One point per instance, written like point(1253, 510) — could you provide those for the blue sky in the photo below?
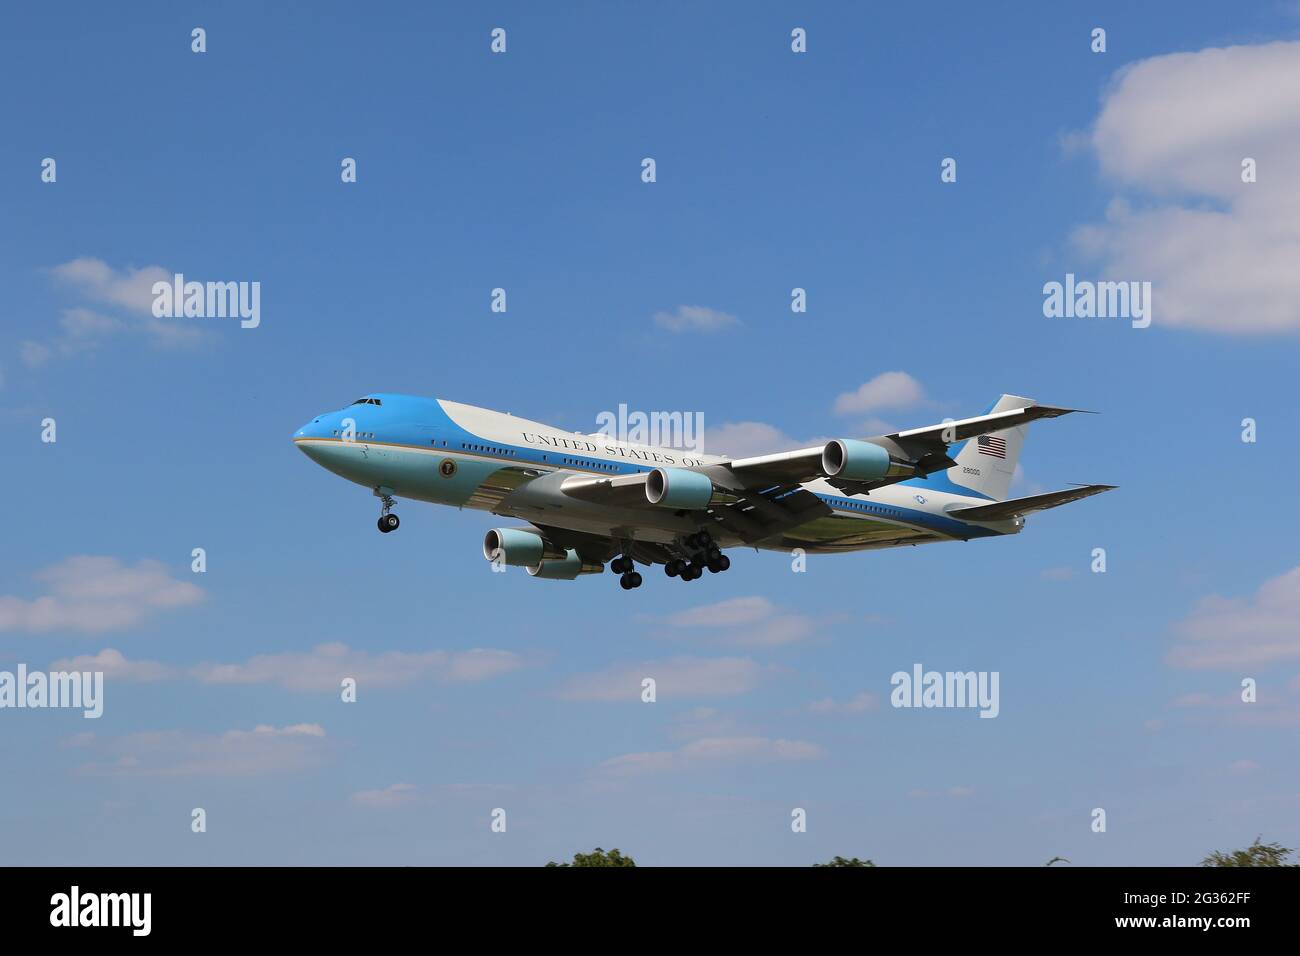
point(522, 171)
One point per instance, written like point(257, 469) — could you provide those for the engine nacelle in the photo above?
point(678, 488)
point(563, 569)
point(854, 460)
point(518, 546)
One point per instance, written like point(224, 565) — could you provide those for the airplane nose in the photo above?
point(312, 429)
point(301, 440)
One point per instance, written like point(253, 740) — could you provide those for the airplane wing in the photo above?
point(760, 496)
point(786, 467)
point(913, 453)
point(1015, 507)
point(751, 513)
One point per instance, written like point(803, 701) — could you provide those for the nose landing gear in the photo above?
point(387, 520)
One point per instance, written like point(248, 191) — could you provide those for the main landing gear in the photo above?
point(704, 553)
point(387, 520)
point(629, 577)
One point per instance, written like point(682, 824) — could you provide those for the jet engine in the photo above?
point(563, 569)
point(678, 488)
point(854, 460)
point(519, 546)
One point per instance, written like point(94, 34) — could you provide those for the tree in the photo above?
point(851, 861)
point(1257, 854)
point(598, 857)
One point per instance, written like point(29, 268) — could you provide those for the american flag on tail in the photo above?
point(992, 445)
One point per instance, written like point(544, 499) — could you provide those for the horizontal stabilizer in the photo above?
point(1002, 510)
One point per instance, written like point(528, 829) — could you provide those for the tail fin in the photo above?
point(987, 464)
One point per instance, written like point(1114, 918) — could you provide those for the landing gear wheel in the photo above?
point(630, 580)
point(621, 566)
point(673, 568)
point(711, 555)
point(724, 563)
point(387, 520)
point(635, 578)
point(714, 567)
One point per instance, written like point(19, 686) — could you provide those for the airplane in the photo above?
point(589, 500)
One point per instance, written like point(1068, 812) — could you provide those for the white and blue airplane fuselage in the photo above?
point(589, 499)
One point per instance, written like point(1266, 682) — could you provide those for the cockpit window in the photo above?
point(367, 401)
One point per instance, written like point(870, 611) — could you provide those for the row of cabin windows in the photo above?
point(874, 509)
point(585, 463)
point(489, 449)
point(469, 446)
point(339, 434)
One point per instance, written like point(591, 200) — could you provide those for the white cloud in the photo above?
point(712, 751)
point(95, 594)
point(114, 666)
point(639, 763)
point(82, 330)
point(1175, 129)
point(130, 289)
point(675, 678)
point(876, 426)
point(235, 753)
point(320, 669)
point(86, 323)
point(1269, 710)
point(325, 666)
point(886, 390)
point(34, 354)
point(1225, 633)
point(893, 390)
point(742, 439)
point(396, 795)
point(703, 722)
point(694, 318)
point(728, 613)
point(858, 704)
point(744, 622)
